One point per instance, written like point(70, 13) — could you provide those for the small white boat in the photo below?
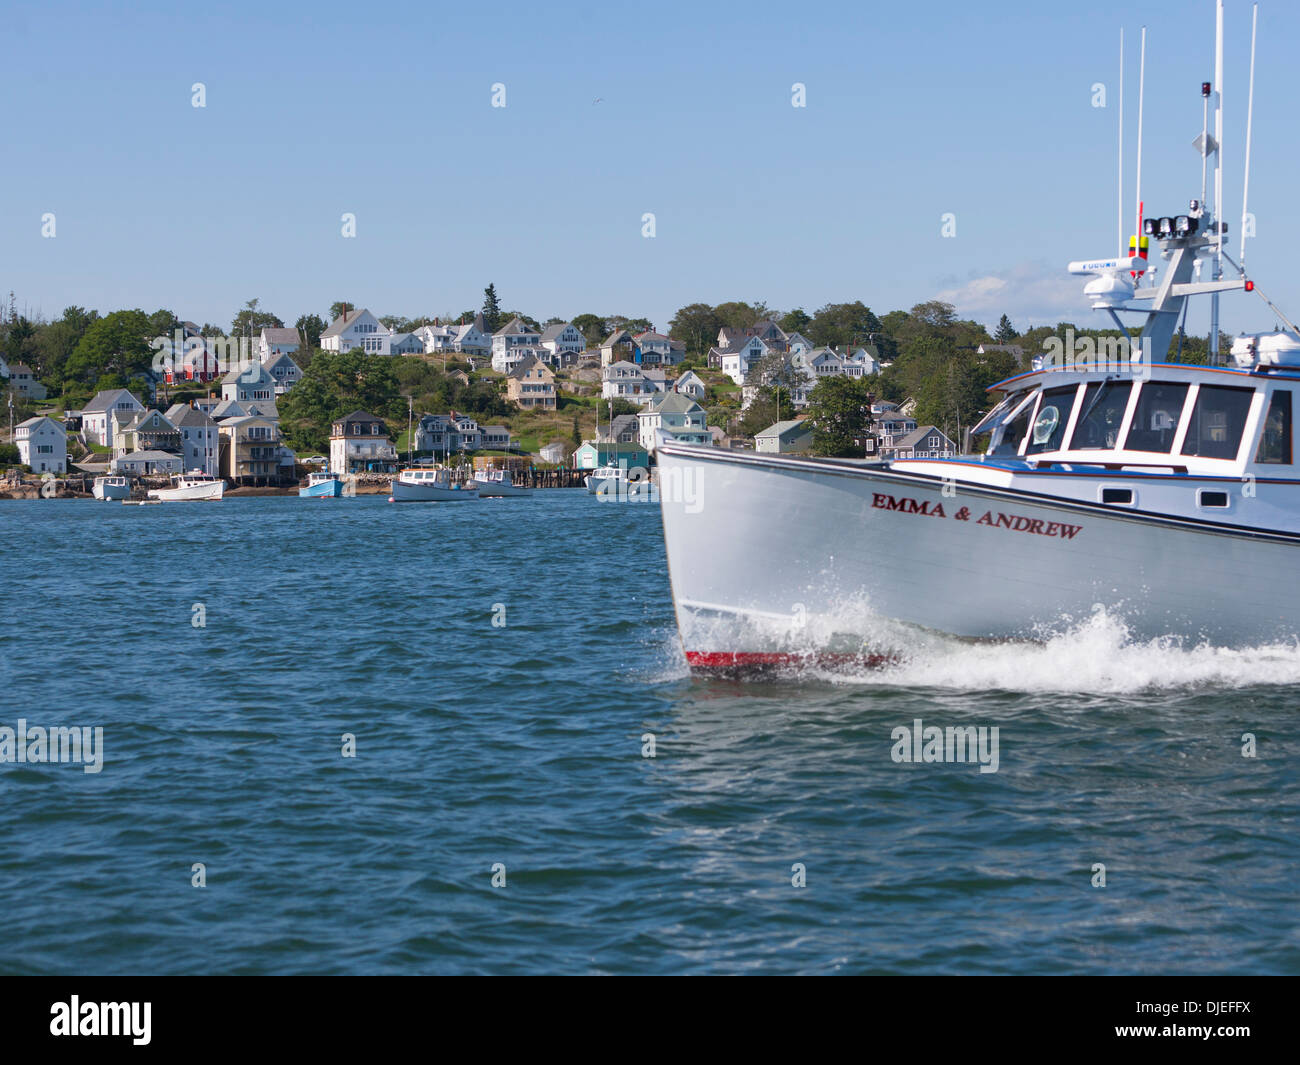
point(429, 484)
point(618, 482)
point(112, 487)
point(186, 487)
point(493, 484)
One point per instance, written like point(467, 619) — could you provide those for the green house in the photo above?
point(593, 454)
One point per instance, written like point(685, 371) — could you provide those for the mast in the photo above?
point(1120, 198)
point(1250, 114)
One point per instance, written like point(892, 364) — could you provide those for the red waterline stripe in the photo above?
point(768, 659)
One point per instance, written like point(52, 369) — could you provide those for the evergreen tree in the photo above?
point(1006, 333)
point(491, 309)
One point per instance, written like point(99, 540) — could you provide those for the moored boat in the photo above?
point(618, 482)
point(429, 484)
point(322, 486)
point(499, 484)
point(188, 487)
point(111, 487)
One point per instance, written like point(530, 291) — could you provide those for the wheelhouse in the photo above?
point(1176, 418)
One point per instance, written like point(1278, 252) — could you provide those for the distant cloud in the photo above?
point(1030, 294)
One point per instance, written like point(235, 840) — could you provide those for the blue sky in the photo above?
point(384, 111)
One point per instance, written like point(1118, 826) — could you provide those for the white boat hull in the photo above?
point(111, 492)
point(772, 553)
point(190, 492)
point(405, 492)
point(499, 490)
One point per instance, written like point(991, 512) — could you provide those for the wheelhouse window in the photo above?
point(1015, 430)
point(1275, 442)
point(1101, 416)
point(1052, 418)
point(1218, 421)
point(1155, 422)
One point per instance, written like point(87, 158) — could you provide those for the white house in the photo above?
point(97, 415)
point(360, 442)
point(200, 438)
point(690, 384)
point(553, 453)
point(472, 338)
point(562, 337)
point(511, 344)
point(356, 329)
point(626, 380)
point(42, 445)
point(676, 414)
point(273, 341)
point(861, 362)
point(735, 360)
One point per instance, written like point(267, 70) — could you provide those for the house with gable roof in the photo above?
point(512, 343)
point(97, 415)
point(356, 329)
point(531, 385)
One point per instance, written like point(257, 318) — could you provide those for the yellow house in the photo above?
point(531, 385)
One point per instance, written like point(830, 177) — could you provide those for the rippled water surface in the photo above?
point(522, 744)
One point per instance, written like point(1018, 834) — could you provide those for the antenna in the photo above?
point(1120, 200)
point(1142, 80)
point(1218, 180)
point(1250, 114)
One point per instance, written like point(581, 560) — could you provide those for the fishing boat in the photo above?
point(322, 486)
point(429, 484)
point(1164, 494)
point(111, 487)
point(618, 482)
point(499, 484)
point(187, 487)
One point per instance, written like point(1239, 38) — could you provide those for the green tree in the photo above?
point(842, 325)
point(696, 325)
point(592, 327)
point(252, 320)
point(796, 321)
point(576, 436)
point(116, 345)
point(1006, 332)
point(310, 327)
point(491, 309)
point(57, 341)
point(736, 315)
point(839, 410)
point(336, 312)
